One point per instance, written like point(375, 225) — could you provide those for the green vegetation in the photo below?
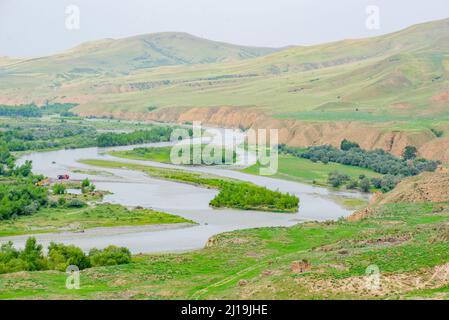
point(155, 134)
point(262, 263)
point(409, 153)
point(59, 257)
point(246, 196)
point(162, 154)
point(21, 136)
point(67, 217)
point(18, 193)
point(306, 171)
point(233, 194)
point(61, 109)
point(377, 160)
point(109, 256)
point(395, 80)
point(27, 111)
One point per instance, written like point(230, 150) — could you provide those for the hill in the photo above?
point(139, 52)
point(383, 92)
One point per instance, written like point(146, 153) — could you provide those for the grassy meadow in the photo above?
point(307, 171)
point(77, 219)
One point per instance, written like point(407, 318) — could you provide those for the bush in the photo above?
point(336, 179)
point(20, 198)
point(61, 256)
point(365, 185)
point(59, 188)
point(348, 145)
point(75, 203)
point(109, 256)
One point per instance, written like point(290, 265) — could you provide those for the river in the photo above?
point(134, 188)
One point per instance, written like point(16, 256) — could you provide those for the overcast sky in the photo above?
point(38, 27)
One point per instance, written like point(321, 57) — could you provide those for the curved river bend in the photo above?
point(133, 188)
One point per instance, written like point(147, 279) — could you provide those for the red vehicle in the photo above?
point(63, 177)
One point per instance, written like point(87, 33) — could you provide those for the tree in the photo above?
point(409, 153)
point(347, 145)
point(365, 185)
point(33, 256)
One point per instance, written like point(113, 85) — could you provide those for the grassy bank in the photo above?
point(405, 241)
point(307, 171)
point(162, 154)
point(77, 219)
point(233, 193)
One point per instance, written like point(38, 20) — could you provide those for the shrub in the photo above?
point(348, 145)
point(365, 185)
point(59, 188)
point(61, 256)
point(109, 256)
point(75, 203)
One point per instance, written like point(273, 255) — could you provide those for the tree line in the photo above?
point(33, 111)
point(155, 134)
point(393, 168)
point(59, 257)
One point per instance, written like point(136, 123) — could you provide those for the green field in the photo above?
point(259, 264)
point(306, 171)
point(162, 154)
point(77, 219)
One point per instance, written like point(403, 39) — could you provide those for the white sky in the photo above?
point(37, 27)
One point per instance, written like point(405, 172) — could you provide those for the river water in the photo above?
point(133, 188)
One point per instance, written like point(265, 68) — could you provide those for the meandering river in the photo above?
point(134, 188)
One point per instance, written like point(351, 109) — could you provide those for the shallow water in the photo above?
point(133, 188)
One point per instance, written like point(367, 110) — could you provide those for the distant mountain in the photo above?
point(385, 78)
point(141, 52)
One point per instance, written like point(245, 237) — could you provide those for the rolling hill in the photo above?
point(122, 56)
point(386, 91)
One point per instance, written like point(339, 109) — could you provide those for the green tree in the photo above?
point(365, 185)
point(409, 153)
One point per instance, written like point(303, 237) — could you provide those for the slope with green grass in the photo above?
point(306, 261)
point(392, 87)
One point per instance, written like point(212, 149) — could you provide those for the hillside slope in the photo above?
point(386, 91)
point(139, 52)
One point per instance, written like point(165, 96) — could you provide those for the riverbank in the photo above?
point(232, 193)
point(79, 220)
point(306, 261)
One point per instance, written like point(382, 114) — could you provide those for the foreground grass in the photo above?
point(233, 193)
point(306, 171)
point(76, 219)
point(405, 241)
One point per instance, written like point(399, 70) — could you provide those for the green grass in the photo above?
point(64, 219)
point(162, 154)
point(338, 252)
point(306, 171)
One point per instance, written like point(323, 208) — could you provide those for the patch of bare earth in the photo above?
point(380, 285)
